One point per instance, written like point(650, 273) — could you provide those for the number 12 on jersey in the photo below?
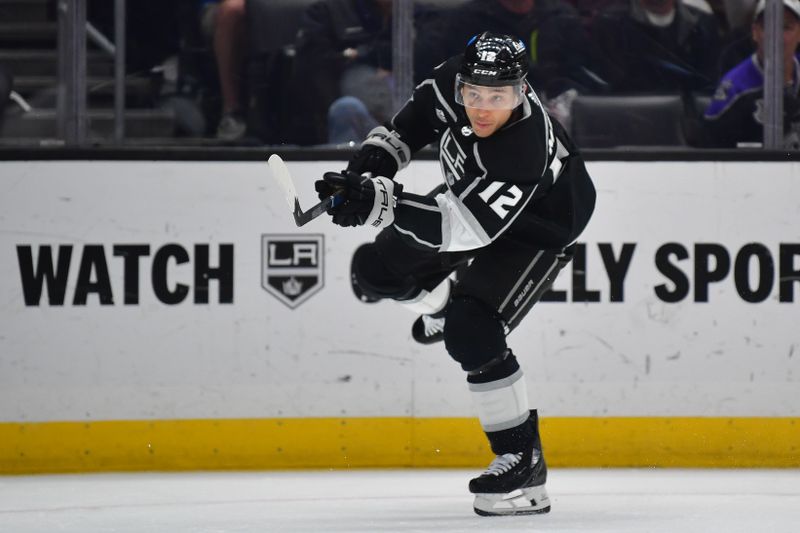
point(503, 203)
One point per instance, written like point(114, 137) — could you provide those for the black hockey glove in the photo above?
point(373, 159)
point(382, 153)
point(366, 200)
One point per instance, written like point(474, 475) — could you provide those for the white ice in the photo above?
point(596, 500)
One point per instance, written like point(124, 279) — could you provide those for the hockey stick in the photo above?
point(280, 173)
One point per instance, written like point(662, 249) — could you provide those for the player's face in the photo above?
point(485, 122)
point(488, 108)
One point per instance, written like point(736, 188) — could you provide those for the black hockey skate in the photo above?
point(513, 484)
point(428, 329)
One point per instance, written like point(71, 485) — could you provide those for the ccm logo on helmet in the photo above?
point(484, 72)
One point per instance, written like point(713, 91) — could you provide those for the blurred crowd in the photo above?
point(319, 72)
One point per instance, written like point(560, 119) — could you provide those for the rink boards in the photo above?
point(169, 315)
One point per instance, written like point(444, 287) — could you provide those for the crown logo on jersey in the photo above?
point(292, 287)
point(466, 131)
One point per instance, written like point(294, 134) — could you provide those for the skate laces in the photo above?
point(503, 463)
point(432, 325)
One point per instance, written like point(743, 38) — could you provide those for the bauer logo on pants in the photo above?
point(292, 266)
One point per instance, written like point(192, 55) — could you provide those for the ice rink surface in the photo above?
point(607, 500)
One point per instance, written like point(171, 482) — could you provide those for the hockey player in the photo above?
point(515, 198)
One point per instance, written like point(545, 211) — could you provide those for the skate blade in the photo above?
point(530, 500)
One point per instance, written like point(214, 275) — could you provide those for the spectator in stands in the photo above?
point(650, 46)
point(737, 42)
point(223, 21)
point(344, 48)
point(735, 115)
point(588, 10)
point(366, 99)
point(738, 13)
point(551, 29)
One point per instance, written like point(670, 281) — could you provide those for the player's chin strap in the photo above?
point(390, 141)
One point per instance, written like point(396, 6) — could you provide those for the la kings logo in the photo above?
point(292, 267)
point(451, 158)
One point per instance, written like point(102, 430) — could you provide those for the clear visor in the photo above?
point(485, 97)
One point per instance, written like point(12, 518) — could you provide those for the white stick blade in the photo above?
point(280, 173)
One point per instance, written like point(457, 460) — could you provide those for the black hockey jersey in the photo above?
point(526, 181)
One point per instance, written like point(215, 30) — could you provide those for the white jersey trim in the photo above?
point(460, 230)
point(534, 291)
point(414, 236)
point(520, 280)
point(549, 134)
point(526, 113)
point(418, 205)
point(556, 165)
point(439, 97)
point(475, 182)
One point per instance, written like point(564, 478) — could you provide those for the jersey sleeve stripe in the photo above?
point(439, 97)
point(418, 205)
point(413, 236)
point(548, 133)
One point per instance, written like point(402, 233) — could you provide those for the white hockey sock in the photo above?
point(429, 302)
point(501, 404)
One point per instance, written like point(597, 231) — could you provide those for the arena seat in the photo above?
point(271, 31)
point(272, 27)
point(273, 24)
point(630, 120)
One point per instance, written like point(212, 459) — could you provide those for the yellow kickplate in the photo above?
point(131, 445)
